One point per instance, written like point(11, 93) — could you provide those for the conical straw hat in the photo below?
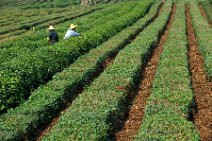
point(51, 27)
point(72, 26)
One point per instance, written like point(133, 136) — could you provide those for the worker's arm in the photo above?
point(75, 33)
point(70, 33)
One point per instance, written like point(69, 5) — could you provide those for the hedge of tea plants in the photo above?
point(203, 33)
point(46, 101)
point(22, 74)
point(94, 112)
point(167, 111)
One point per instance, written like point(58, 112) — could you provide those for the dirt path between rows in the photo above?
point(38, 136)
point(132, 125)
point(202, 88)
point(13, 37)
point(42, 132)
point(202, 11)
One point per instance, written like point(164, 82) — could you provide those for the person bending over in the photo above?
point(71, 32)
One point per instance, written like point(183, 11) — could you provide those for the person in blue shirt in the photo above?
point(70, 32)
point(53, 36)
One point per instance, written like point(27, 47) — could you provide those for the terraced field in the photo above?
point(29, 19)
point(141, 70)
point(40, 3)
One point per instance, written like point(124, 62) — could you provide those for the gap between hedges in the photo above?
point(129, 125)
point(41, 132)
point(202, 88)
point(202, 11)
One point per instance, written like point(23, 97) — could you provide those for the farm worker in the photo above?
point(71, 32)
point(53, 36)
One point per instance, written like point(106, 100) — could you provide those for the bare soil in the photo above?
point(108, 61)
point(136, 112)
point(46, 128)
point(204, 14)
point(201, 86)
point(42, 131)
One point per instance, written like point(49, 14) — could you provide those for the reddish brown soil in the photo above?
point(201, 86)
point(204, 14)
point(44, 130)
point(54, 121)
point(136, 113)
point(79, 90)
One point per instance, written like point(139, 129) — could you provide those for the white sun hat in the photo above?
point(51, 27)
